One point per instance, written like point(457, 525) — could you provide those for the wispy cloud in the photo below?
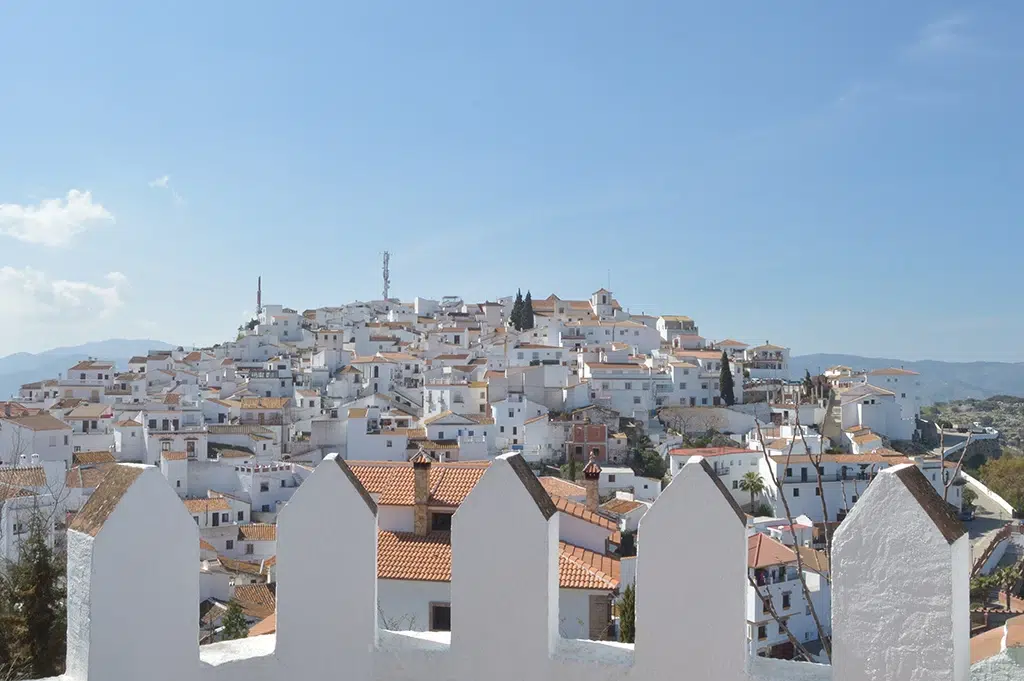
point(946, 36)
point(164, 182)
point(30, 296)
point(52, 222)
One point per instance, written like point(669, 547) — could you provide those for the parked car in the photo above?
point(966, 515)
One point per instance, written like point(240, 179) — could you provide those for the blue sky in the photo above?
point(835, 177)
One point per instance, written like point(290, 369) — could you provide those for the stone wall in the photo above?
point(900, 588)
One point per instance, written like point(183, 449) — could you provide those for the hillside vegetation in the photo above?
point(1002, 412)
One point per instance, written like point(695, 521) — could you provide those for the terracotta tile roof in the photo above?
point(621, 506)
point(580, 511)
point(357, 413)
point(403, 555)
point(206, 505)
point(257, 532)
point(174, 456)
point(480, 418)
point(268, 625)
point(87, 476)
point(579, 568)
point(561, 488)
point(450, 483)
point(128, 423)
point(886, 456)
point(866, 437)
point(233, 565)
point(265, 402)
point(763, 551)
point(892, 371)
point(15, 409)
point(813, 560)
point(234, 454)
point(23, 476)
point(710, 451)
point(39, 422)
point(82, 458)
point(256, 600)
point(205, 545)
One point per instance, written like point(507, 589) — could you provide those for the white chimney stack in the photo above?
point(22, 460)
point(35, 459)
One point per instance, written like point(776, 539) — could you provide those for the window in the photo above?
point(511, 413)
point(762, 632)
point(248, 549)
point(786, 600)
point(735, 484)
point(682, 386)
point(53, 440)
point(224, 517)
point(515, 430)
point(817, 491)
point(389, 443)
point(789, 472)
point(229, 544)
point(611, 477)
point(854, 499)
point(441, 522)
point(241, 515)
point(703, 400)
point(628, 385)
point(796, 491)
point(196, 518)
point(604, 386)
point(264, 486)
point(636, 399)
point(440, 617)
point(66, 438)
point(519, 355)
point(165, 446)
point(178, 483)
point(703, 386)
point(266, 508)
point(501, 429)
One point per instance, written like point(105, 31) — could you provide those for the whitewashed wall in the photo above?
point(899, 591)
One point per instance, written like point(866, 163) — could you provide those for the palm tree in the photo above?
point(752, 482)
point(1006, 577)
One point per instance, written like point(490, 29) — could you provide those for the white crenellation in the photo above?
point(900, 579)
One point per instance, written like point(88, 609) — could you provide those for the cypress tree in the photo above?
point(527, 314)
point(627, 615)
point(725, 382)
point(516, 318)
point(234, 623)
point(33, 617)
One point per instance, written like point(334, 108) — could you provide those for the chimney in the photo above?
point(421, 493)
point(35, 460)
point(591, 476)
point(22, 460)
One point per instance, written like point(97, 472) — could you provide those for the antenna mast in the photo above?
point(387, 275)
point(259, 295)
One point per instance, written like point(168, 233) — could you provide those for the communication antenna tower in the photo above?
point(387, 275)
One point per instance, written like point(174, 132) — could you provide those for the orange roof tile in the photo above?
point(206, 505)
point(256, 600)
point(450, 483)
point(580, 511)
point(562, 488)
point(579, 568)
point(257, 532)
point(102, 456)
point(268, 625)
point(621, 506)
point(205, 545)
point(174, 456)
point(763, 551)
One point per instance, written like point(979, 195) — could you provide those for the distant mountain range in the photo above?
point(25, 367)
point(940, 381)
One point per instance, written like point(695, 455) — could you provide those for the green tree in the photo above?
point(808, 383)
point(1005, 477)
point(234, 622)
point(33, 619)
point(753, 483)
point(627, 615)
point(516, 317)
point(725, 382)
point(981, 586)
point(649, 464)
point(526, 315)
point(1006, 578)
